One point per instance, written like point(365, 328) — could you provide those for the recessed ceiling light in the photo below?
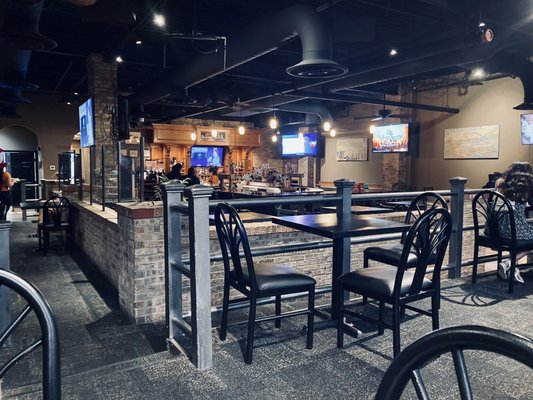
point(159, 20)
point(118, 59)
point(393, 52)
point(138, 42)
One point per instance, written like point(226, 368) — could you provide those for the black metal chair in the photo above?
point(489, 207)
point(407, 365)
point(391, 253)
point(398, 286)
point(256, 280)
point(49, 339)
point(55, 218)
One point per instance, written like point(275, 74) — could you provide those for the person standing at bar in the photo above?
point(5, 191)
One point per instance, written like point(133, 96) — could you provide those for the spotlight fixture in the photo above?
point(333, 133)
point(76, 93)
point(393, 52)
point(159, 20)
point(69, 102)
point(326, 126)
point(478, 73)
point(118, 59)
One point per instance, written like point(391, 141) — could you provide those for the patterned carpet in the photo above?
point(105, 356)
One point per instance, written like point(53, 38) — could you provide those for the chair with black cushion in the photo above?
point(390, 253)
point(406, 283)
point(418, 356)
point(256, 280)
point(55, 218)
point(489, 207)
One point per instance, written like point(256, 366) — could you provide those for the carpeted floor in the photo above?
point(105, 356)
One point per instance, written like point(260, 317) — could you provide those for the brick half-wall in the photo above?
point(128, 248)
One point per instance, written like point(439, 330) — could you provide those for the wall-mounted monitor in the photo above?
point(86, 118)
point(391, 139)
point(207, 156)
point(526, 128)
point(299, 144)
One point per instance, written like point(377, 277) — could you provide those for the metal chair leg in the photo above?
point(396, 329)
point(381, 330)
point(340, 317)
point(474, 265)
point(310, 318)
point(278, 311)
point(224, 318)
point(251, 330)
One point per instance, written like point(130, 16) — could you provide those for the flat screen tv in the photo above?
point(207, 156)
point(391, 139)
point(86, 118)
point(526, 128)
point(298, 144)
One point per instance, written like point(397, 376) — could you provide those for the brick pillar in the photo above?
point(395, 171)
point(102, 83)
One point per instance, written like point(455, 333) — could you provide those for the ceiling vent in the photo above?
point(317, 68)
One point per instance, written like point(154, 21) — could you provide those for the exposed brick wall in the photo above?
point(394, 170)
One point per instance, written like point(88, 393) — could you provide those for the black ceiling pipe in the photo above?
point(309, 108)
point(257, 38)
point(516, 64)
point(18, 37)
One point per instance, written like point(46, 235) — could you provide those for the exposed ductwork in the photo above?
point(18, 37)
point(309, 108)
point(518, 65)
point(257, 38)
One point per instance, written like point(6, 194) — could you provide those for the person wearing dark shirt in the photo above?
point(193, 179)
point(175, 172)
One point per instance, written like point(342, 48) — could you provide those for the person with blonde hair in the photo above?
point(516, 185)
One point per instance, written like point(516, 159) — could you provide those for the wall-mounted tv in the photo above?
point(86, 118)
point(526, 128)
point(207, 156)
point(391, 139)
point(299, 144)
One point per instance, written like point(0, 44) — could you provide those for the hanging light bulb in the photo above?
point(372, 129)
point(326, 126)
point(241, 129)
point(273, 123)
point(214, 132)
point(193, 135)
point(332, 133)
point(274, 138)
point(300, 135)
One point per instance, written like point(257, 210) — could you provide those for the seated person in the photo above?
point(191, 175)
point(215, 181)
point(517, 186)
point(175, 172)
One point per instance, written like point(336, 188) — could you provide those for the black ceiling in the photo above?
point(438, 43)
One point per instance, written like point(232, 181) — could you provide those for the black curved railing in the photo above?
point(49, 339)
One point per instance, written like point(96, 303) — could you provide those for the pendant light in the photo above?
point(273, 123)
point(332, 133)
point(193, 133)
point(241, 128)
point(214, 132)
point(326, 126)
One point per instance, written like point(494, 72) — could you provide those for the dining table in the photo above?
point(360, 210)
point(340, 229)
point(247, 216)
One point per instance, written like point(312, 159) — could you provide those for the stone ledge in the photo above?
point(140, 210)
point(109, 215)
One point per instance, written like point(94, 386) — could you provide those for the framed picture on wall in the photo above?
point(473, 142)
point(353, 149)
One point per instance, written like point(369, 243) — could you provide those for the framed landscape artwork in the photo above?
point(355, 149)
point(473, 142)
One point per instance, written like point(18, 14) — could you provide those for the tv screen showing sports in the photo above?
point(298, 144)
point(207, 156)
point(391, 139)
point(86, 118)
point(526, 127)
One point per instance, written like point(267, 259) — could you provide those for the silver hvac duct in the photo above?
point(309, 108)
point(257, 38)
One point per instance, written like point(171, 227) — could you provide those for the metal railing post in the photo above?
point(342, 247)
point(5, 263)
point(456, 239)
point(198, 196)
point(172, 194)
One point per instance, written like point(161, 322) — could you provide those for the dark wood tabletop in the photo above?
point(248, 216)
point(361, 210)
point(32, 205)
point(327, 225)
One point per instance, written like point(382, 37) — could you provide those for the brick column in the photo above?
point(395, 170)
point(102, 83)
